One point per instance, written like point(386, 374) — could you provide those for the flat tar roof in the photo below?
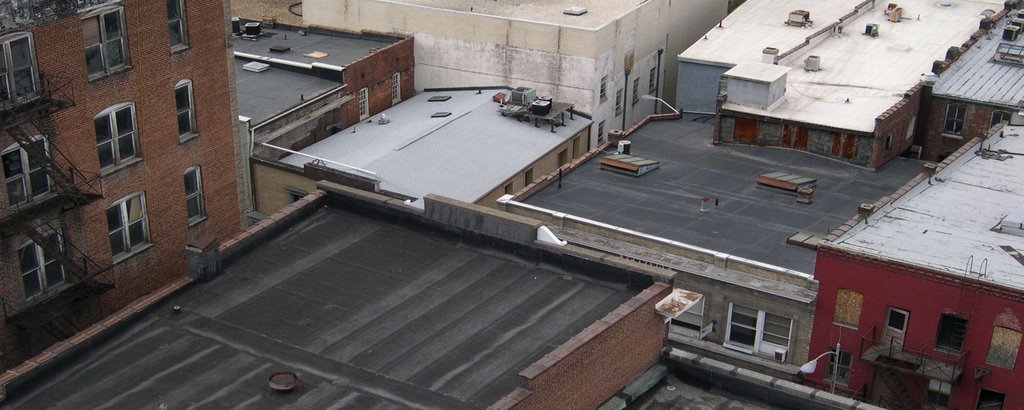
point(368, 313)
point(462, 156)
point(262, 95)
point(979, 77)
point(944, 223)
point(599, 12)
point(873, 73)
point(750, 221)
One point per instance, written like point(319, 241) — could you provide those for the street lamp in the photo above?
point(809, 367)
point(649, 97)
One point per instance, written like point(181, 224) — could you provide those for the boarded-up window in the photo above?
point(1002, 351)
point(848, 304)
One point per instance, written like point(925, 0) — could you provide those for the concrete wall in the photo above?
point(697, 85)
point(854, 147)
point(595, 364)
point(458, 49)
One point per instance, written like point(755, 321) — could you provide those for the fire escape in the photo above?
point(26, 121)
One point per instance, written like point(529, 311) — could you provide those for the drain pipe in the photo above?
point(625, 106)
point(657, 84)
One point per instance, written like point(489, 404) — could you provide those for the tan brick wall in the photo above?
point(149, 84)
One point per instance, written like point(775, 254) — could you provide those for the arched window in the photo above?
point(24, 176)
point(127, 224)
point(40, 270)
point(116, 139)
point(18, 76)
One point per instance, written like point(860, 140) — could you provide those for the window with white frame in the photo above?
point(40, 270)
point(194, 195)
point(176, 26)
point(998, 117)
point(396, 88)
point(115, 134)
point(604, 88)
point(756, 331)
point(652, 85)
point(636, 90)
point(364, 103)
point(183, 104)
point(127, 225)
point(103, 36)
point(17, 68)
point(618, 102)
point(24, 178)
point(955, 115)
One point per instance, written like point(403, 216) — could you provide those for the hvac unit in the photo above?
point(253, 29)
point(812, 63)
point(1010, 33)
point(523, 96)
point(896, 14)
point(236, 26)
point(871, 30)
point(799, 18)
point(781, 355)
point(540, 107)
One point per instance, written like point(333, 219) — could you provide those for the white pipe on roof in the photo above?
point(319, 159)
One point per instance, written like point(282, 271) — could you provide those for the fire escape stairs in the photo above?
point(899, 397)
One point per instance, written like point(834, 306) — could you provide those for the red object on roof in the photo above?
point(499, 98)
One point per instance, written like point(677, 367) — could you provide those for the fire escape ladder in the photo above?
point(60, 327)
point(71, 183)
point(40, 232)
point(899, 396)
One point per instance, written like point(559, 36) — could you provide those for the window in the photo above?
point(24, 178)
point(757, 331)
point(897, 320)
point(194, 195)
point(841, 372)
point(910, 127)
point(618, 102)
point(508, 188)
point(951, 332)
point(998, 117)
point(848, 305)
point(364, 103)
point(17, 69)
point(888, 141)
point(176, 24)
point(127, 225)
point(938, 394)
point(115, 134)
point(600, 132)
point(652, 85)
point(396, 88)
point(990, 400)
point(955, 114)
point(1002, 350)
point(528, 176)
point(183, 103)
point(103, 36)
point(39, 268)
point(636, 90)
point(604, 88)
point(563, 157)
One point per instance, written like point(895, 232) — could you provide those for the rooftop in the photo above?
point(872, 72)
point(599, 12)
point(416, 154)
point(980, 77)
point(944, 223)
point(370, 314)
point(750, 221)
point(261, 95)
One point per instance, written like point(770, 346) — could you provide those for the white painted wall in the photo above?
point(459, 49)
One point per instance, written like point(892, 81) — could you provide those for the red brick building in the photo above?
point(118, 151)
point(923, 292)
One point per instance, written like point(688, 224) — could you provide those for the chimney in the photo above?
point(865, 210)
point(768, 55)
point(953, 53)
point(929, 168)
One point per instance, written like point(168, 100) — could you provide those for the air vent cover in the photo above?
point(575, 11)
point(439, 98)
point(255, 67)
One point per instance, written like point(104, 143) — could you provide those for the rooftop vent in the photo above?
point(768, 55)
point(255, 67)
point(871, 30)
point(440, 114)
point(1013, 223)
point(799, 18)
point(812, 63)
point(1011, 33)
point(439, 98)
point(253, 29)
point(894, 12)
point(945, 3)
point(575, 11)
point(280, 48)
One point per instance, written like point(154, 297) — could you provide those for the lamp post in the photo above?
point(649, 97)
point(809, 367)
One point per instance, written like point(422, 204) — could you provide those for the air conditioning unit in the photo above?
point(812, 63)
point(896, 14)
point(799, 18)
point(871, 30)
point(1010, 33)
point(781, 355)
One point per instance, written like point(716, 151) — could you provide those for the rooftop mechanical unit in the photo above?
point(255, 66)
point(628, 164)
point(871, 30)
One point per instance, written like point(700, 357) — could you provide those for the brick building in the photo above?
point(837, 79)
point(978, 85)
point(117, 143)
point(922, 293)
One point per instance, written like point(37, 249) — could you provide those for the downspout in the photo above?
point(657, 83)
point(625, 105)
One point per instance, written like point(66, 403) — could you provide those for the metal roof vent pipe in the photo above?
point(624, 147)
point(768, 55)
point(812, 63)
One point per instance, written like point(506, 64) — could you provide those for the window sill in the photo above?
point(196, 221)
point(843, 325)
point(104, 172)
point(128, 255)
point(109, 73)
point(180, 48)
point(189, 136)
point(953, 136)
point(738, 348)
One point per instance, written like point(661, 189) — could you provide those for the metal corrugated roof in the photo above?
point(978, 76)
point(463, 156)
